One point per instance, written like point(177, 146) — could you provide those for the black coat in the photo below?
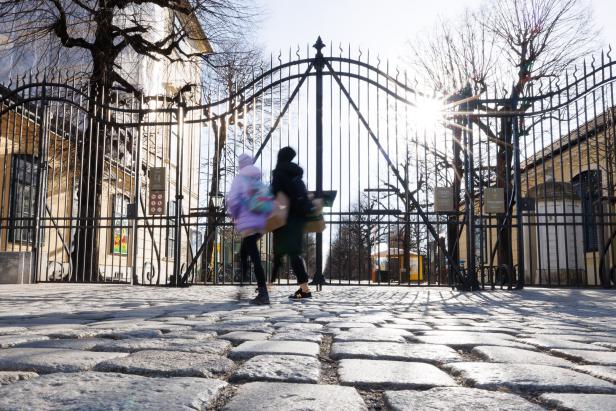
point(287, 177)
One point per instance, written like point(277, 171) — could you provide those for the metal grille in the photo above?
point(463, 191)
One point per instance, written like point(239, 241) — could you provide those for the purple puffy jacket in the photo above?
point(245, 220)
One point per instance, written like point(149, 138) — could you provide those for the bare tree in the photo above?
point(507, 47)
point(100, 35)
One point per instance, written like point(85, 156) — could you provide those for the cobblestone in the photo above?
point(379, 334)
point(519, 356)
point(581, 402)
point(95, 391)
point(9, 377)
point(253, 348)
point(283, 368)
point(587, 356)
point(285, 396)
point(50, 360)
point(177, 344)
point(298, 336)
point(433, 353)
point(600, 371)
point(457, 398)
point(169, 364)
point(241, 336)
point(392, 374)
point(528, 377)
point(310, 355)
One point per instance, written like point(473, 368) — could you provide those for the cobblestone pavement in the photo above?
point(112, 347)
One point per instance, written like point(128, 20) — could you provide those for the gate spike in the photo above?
point(592, 62)
point(609, 52)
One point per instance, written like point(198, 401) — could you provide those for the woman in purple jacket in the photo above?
point(249, 224)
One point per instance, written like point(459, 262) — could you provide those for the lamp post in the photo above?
point(218, 201)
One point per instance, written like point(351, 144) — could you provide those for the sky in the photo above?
point(383, 26)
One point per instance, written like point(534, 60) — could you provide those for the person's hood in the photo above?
point(290, 168)
point(250, 171)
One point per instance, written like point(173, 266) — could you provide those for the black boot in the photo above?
point(262, 298)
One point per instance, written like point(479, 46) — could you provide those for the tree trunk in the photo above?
point(85, 249)
point(503, 179)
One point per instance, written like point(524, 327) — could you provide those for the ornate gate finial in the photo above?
point(319, 46)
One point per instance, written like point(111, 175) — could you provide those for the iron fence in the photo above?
point(464, 191)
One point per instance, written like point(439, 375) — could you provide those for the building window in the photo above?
point(119, 225)
point(587, 185)
point(170, 229)
point(24, 183)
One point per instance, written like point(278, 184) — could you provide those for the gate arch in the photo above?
point(365, 119)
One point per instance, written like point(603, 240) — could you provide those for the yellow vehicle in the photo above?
point(387, 265)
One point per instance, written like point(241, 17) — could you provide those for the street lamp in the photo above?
point(218, 199)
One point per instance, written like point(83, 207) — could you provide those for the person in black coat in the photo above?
point(288, 240)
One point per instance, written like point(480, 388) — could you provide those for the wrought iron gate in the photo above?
point(465, 191)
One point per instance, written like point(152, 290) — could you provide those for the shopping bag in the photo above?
point(315, 223)
point(278, 216)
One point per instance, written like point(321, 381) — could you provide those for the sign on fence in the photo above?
point(443, 200)
point(494, 200)
point(156, 195)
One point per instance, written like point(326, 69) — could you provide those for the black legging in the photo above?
point(249, 249)
point(297, 263)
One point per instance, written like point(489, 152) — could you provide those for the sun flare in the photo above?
point(429, 114)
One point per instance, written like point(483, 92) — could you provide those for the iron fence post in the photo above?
point(319, 63)
point(137, 196)
point(41, 179)
point(518, 201)
point(470, 207)
point(178, 192)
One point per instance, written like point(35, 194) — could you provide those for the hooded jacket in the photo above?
point(244, 219)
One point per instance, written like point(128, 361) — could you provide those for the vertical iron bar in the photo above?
point(470, 204)
point(319, 64)
point(518, 201)
point(137, 194)
point(40, 184)
point(178, 191)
